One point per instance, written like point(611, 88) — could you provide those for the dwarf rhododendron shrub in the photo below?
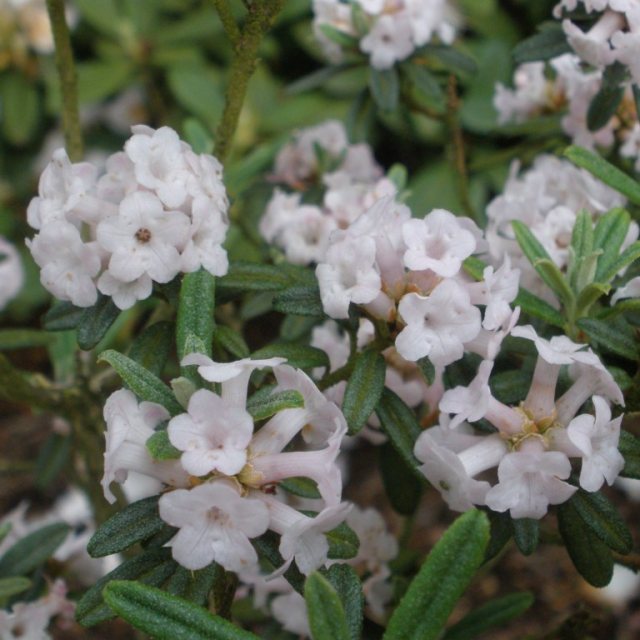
point(318, 314)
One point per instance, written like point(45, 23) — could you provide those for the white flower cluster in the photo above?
point(159, 210)
point(409, 271)
point(386, 30)
point(615, 36)
point(223, 485)
point(546, 198)
point(533, 442)
point(572, 87)
point(11, 272)
point(351, 180)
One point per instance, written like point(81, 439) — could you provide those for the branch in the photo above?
point(228, 21)
point(262, 14)
point(68, 80)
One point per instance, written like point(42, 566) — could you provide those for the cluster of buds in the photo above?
point(320, 158)
point(160, 209)
point(386, 30)
point(224, 475)
point(532, 443)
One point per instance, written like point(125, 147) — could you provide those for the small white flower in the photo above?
point(438, 243)
point(437, 325)
point(213, 435)
point(348, 274)
point(469, 403)
point(125, 294)
point(129, 426)
point(11, 272)
point(529, 481)
point(215, 523)
point(290, 610)
point(388, 41)
point(68, 265)
point(597, 439)
point(143, 238)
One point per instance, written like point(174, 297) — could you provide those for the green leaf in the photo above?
point(589, 295)
point(195, 321)
point(629, 255)
point(608, 236)
point(197, 87)
point(297, 355)
point(52, 458)
point(160, 447)
point(542, 262)
point(345, 581)
point(400, 484)
point(582, 237)
point(152, 347)
point(590, 556)
point(617, 338)
point(301, 300)
point(424, 82)
point(96, 321)
point(194, 585)
point(385, 88)
point(13, 586)
point(339, 37)
point(343, 542)
point(167, 617)
point(23, 339)
point(250, 276)
point(605, 171)
point(231, 341)
point(538, 308)
point(491, 615)
point(327, 619)
point(526, 532)
point(103, 16)
point(452, 60)
point(154, 566)
point(33, 550)
point(511, 386)
point(629, 447)
point(142, 382)
point(364, 389)
point(545, 45)
point(62, 316)
point(599, 515)
point(138, 521)
point(604, 104)
point(554, 278)
point(197, 135)
point(446, 573)
point(262, 406)
point(20, 107)
point(501, 532)
point(313, 80)
point(400, 424)
point(98, 80)
point(303, 487)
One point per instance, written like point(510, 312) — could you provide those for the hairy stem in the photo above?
point(68, 80)
point(227, 19)
point(260, 18)
point(459, 160)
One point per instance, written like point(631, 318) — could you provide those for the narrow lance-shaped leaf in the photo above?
point(302, 300)
point(605, 103)
point(526, 532)
point(142, 382)
point(617, 338)
point(629, 255)
point(33, 550)
point(385, 88)
point(605, 171)
point(364, 389)
point(13, 586)
point(345, 581)
point(195, 321)
point(591, 557)
point(262, 406)
point(96, 321)
point(608, 237)
point(489, 616)
point(327, 618)
point(152, 347)
point(168, 617)
point(136, 522)
point(446, 573)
